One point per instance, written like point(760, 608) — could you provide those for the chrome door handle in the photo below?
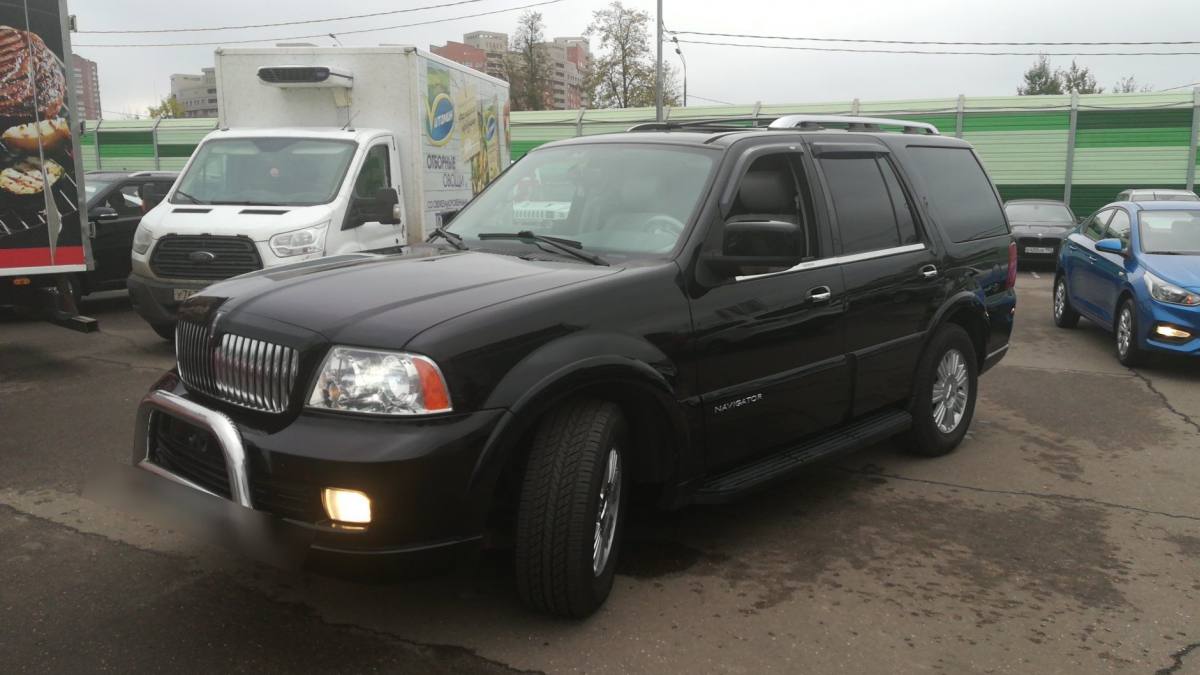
point(1091, 258)
point(929, 271)
point(820, 294)
point(1073, 247)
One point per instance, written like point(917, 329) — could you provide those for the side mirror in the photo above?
point(768, 243)
point(103, 213)
point(386, 205)
point(1111, 246)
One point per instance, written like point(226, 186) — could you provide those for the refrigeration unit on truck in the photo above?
point(319, 152)
point(43, 247)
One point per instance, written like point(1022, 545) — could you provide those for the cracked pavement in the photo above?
point(1062, 537)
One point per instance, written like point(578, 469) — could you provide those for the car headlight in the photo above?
point(300, 242)
point(1170, 293)
point(142, 240)
point(380, 383)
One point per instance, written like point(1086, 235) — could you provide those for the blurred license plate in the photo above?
point(1028, 249)
point(182, 294)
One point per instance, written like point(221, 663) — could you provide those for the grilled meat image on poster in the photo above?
point(39, 216)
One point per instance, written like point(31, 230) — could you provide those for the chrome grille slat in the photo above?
point(244, 371)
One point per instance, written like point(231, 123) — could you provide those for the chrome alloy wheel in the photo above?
point(951, 390)
point(1124, 331)
point(1060, 298)
point(607, 512)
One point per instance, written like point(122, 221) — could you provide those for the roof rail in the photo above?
point(718, 123)
point(853, 123)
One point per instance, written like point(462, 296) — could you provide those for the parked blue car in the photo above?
point(1134, 268)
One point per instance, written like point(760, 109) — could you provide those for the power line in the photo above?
point(281, 23)
point(931, 51)
point(1182, 86)
point(935, 42)
point(710, 100)
point(326, 34)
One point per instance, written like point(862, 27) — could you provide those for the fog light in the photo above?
point(22, 281)
point(1172, 332)
point(346, 506)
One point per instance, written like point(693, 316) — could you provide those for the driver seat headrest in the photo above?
point(767, 192)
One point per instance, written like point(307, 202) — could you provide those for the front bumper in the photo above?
point(427, 501)
point(154, 299)
point(1187, 318)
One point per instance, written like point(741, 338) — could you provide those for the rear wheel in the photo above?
point(1064, 315)
point(571, 512)
point(944, 399)
point(1128, 352)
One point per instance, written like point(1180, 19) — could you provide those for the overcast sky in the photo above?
point(133, 78)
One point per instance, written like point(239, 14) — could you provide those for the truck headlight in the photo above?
point(379, 383)
point(142, 240)
point(1169, 293)
point(300, 242)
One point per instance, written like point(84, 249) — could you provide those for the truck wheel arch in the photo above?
point(967, 310)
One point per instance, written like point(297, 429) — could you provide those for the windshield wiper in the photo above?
point(568, 246)
point(185, 195)
point(454, 238)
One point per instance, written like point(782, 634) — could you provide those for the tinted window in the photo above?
point(774, 188)
point(906, 224)
point(1118, 227)
point(959, 193)
point(865, 216)
point(1094, 229)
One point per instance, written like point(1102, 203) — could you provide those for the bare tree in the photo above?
point(528, 65)
point(1130, 85)
point(622, 75)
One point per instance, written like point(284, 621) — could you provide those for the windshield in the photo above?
point(93, 186)
point(624, 199)
point(1170, 231)
point(1032, 212)
point(1175, 197)
point(265, 172)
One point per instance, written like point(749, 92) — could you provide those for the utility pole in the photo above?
point(658, 72)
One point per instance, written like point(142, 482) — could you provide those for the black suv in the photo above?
point(690, 311)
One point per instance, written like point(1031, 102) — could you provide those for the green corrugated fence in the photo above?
point(1120, 140)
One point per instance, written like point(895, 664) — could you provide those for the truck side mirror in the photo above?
point(386, 206)
point(755, 244)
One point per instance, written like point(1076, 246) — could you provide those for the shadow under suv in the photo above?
point(696, 310)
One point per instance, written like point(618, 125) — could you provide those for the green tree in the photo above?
point(1078, 80)
point(622, 74)
point(1040, 79)
point(168, 108)
point(528, 65)
point(1130, 85)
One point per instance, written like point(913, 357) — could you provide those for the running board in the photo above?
point(738, 481)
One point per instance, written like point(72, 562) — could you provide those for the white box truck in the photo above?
point(319, 151)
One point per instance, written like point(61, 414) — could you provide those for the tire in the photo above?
point(557, 519)
point(165, 331)
point(1065, 316)
point(1128, 352)
point(929, 435)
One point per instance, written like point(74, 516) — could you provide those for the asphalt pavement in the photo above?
point(1062, 537)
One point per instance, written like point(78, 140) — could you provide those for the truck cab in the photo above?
point(256, 198)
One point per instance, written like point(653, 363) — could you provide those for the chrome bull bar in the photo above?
point(219, 425)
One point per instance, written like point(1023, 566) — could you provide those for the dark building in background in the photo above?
point(86, 77)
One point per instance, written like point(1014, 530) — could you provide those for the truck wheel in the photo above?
point(572, 509)
point(165, 331)
point(1065, 316)
point(944, 394)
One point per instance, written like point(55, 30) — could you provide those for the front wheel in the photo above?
point(1128, 352)
point(572, 509)
point(1065, 316)
point(944, 394)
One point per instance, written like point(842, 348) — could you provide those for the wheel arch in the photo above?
point(965, 309)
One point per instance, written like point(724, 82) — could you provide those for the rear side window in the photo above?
point(872, 211)
point(959, 193)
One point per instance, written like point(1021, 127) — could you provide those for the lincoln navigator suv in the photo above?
point(685, 311)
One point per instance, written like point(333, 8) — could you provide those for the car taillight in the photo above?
point(1011, 280)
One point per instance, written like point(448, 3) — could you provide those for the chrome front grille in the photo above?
point(247, 372)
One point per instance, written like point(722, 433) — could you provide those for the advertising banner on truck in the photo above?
point(40, 223)
point(465, 141)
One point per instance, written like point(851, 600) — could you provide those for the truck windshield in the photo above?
point(265, 172)
point(619, 198)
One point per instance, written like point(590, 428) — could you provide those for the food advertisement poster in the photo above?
point(465, 144)
point(39, 196)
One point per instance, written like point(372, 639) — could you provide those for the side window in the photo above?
point(1094, 229)
point(375, 173)
point(1118, 227)
point(866, 215)
point(774, 189)
point(906, 223)
point(960, 195)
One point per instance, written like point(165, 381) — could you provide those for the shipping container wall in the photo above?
point(1120, 140)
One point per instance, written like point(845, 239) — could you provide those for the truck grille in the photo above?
point(247, 372)
point(184, 257)
point(191, 453)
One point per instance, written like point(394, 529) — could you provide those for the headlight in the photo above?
point(300, 242)
point(1169, 293)
point(142, 240)
point(379, 383)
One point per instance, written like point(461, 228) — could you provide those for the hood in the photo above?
point(1181, 270)
point(384, 301)
point(259, 223)
point(1046, 229)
